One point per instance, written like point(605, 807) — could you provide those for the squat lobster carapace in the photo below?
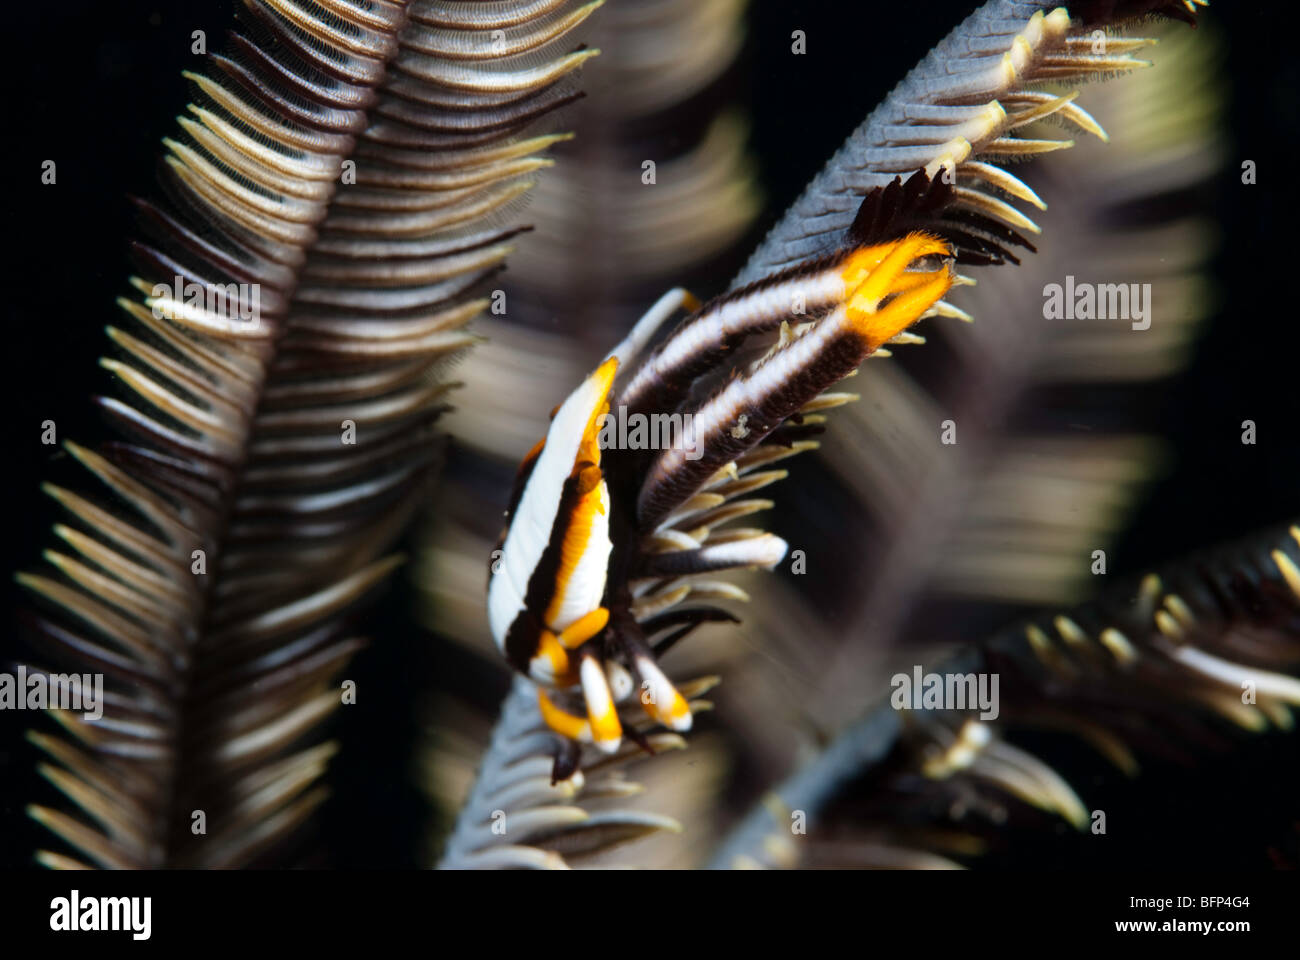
point(544, 597)
point(557, 611)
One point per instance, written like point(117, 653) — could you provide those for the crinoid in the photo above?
point(338, 203)
point(338, 194)
point(1159, 668)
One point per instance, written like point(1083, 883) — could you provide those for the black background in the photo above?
point(94, 85)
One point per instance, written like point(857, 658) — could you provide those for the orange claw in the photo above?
point(561, 721)
point(878, 326)
point(584, 628)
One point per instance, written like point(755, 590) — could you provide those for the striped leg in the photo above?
point(584, 628)
point(602, 715)
point(659, 698)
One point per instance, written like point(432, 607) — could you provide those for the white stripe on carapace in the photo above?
point(794, 366)
point(533, 523)
point(801, 294)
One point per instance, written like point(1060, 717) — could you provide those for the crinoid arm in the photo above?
point(1176, 664)
point(338, 195)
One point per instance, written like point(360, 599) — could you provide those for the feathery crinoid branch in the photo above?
point(1164, 667)
point(1058, 417)
point(538, 822)
point(1010, 65)
point(338, 189)
point(875, 260)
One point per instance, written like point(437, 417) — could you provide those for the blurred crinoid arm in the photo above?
point(1166, 666)
point(339, 190)
point(656, 92)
